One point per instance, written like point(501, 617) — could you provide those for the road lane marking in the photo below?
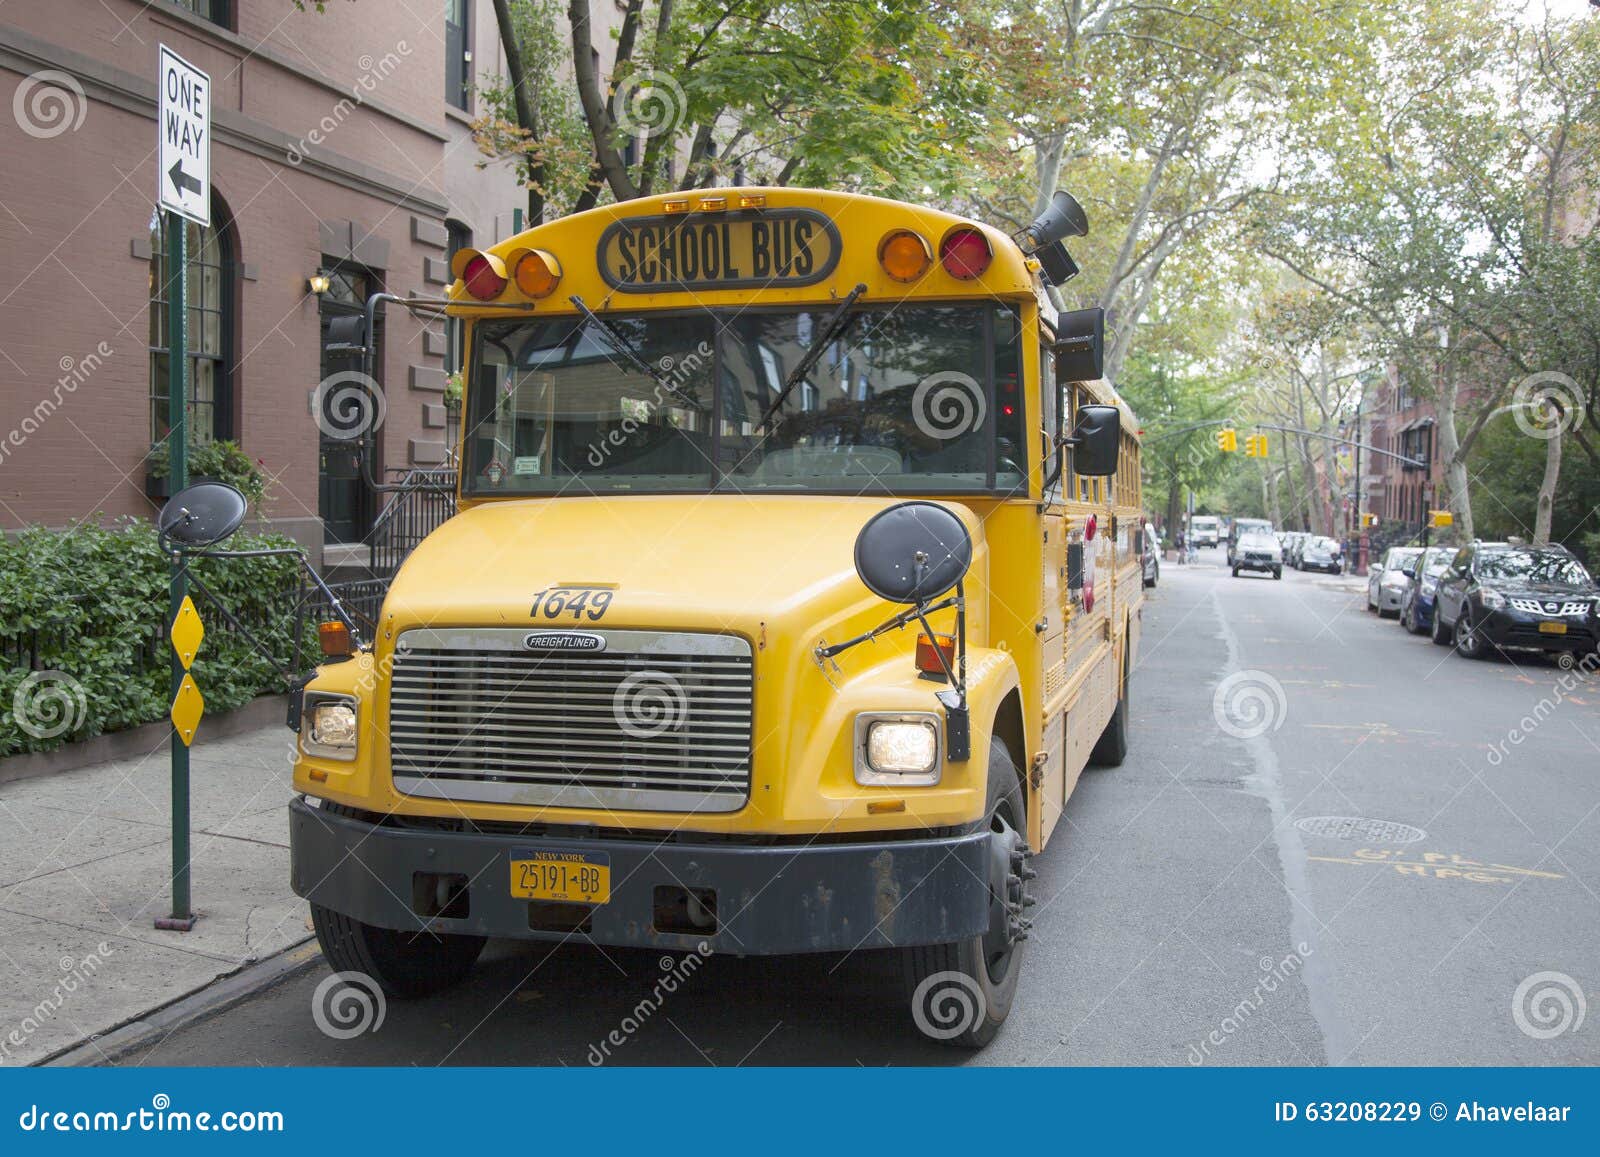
point(1438, 866)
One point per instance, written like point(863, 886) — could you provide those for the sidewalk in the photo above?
point(85, 858)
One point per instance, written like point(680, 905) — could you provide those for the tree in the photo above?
point(871, 95)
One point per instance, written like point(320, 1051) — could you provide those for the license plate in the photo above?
point(1552, 628)
point(570, 877)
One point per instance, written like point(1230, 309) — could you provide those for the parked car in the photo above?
point(1386, 581)
point(1151, 557)
point(1243, 526)
point(1422, 581)
point(1502, 596)
point(1321, 553)
point(1258, 551)
point(1291, 549)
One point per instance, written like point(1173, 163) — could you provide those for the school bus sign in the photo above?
point(772, 249)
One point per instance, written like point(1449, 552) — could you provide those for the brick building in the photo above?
point(342, 151)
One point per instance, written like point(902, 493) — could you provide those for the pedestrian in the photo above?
point(1180, 545)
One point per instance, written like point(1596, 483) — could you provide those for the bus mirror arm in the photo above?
point(958, 731)
point(1063, 442)
point(362, 343)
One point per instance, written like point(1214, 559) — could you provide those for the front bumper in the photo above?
point(768, 900)
point(1518, 630)
point(1324, 567)
point(1422, 610)
point(1244, 563)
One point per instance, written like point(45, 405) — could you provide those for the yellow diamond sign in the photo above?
point(187, 709)
point(187, 631)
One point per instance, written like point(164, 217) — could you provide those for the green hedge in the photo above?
point(92, 604)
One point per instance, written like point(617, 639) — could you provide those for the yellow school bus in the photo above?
point(655, 684)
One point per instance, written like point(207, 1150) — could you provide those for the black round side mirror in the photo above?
point(913, 552)
point(202, 515)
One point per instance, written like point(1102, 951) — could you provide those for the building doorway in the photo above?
point(345, 503)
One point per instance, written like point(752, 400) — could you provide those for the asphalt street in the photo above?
point(1332, 843)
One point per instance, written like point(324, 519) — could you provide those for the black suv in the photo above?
point(1536, 598)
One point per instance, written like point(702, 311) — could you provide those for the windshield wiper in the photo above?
point(832, 329)
point(624, 348)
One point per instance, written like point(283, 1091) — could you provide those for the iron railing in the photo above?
point(426, 498)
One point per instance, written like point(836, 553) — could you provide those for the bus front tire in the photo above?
point(405, 965)
point(961, 993)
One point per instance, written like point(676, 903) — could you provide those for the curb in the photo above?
point(221, 994)
point(138, 741)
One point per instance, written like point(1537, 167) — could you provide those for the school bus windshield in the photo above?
point(914, 399)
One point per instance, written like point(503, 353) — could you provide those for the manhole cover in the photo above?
point(1355, 828)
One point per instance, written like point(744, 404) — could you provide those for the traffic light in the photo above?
point(1227, 439)
point(1255, 445)
point(1441, 518)
point(1369, 520)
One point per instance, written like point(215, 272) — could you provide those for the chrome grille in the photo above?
point(1550, 607)
point(653, 721)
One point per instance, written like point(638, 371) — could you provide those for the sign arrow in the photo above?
point(182, 181)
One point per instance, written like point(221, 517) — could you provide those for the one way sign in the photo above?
point(184, 115)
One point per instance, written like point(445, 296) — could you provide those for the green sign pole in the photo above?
point(182, 918)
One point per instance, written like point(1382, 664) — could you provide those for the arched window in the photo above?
point(210, 295)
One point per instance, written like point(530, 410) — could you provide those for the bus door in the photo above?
point(1049, 778)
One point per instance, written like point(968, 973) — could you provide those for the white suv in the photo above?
point(1258, 550)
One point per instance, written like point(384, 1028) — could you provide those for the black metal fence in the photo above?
point(426, 499)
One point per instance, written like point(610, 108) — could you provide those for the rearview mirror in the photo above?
point(202, 515)
point(1096, 441)
point(913, 552)
point(1081, 345)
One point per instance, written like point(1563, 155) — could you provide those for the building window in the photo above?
point(457, 53)
point(217, 11)
point(209, 289)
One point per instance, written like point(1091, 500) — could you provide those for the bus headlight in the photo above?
point(901, 750)
point(328, 729)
